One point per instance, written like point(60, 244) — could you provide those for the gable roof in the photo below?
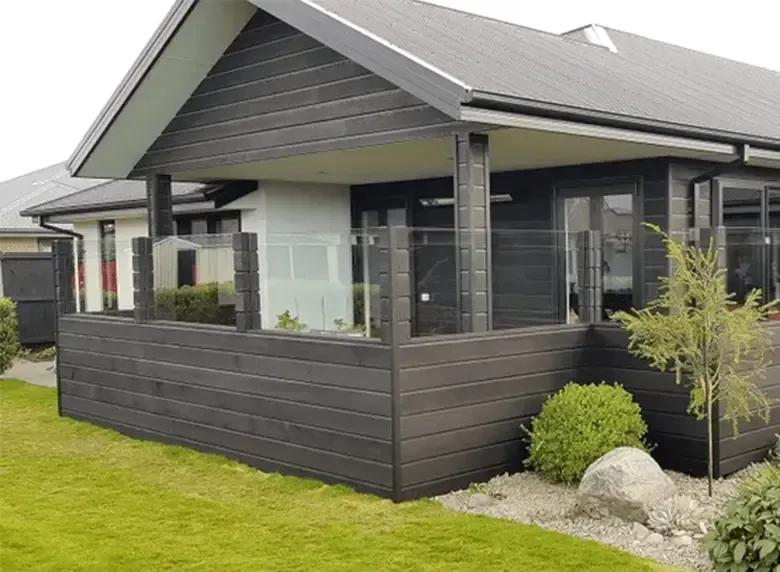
point(44, 185)
point(457, 62)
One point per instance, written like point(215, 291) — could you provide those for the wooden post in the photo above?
point(247, 281)
point(143, 280)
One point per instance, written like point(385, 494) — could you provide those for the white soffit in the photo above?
point(193, 50)
point(533, 123)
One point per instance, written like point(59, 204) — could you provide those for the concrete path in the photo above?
point(37, 373)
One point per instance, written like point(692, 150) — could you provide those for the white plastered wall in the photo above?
point(93, 298)
point(305, 251)
point(126, 230)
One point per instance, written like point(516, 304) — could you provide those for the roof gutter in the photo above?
point(59, 230)
point(497, 102)
point(709, 176)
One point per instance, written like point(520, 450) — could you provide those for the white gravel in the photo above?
point(525, 498)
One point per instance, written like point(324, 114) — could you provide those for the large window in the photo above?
point(750, 213)
point(108, 265)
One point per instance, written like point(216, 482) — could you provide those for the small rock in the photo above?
point(703, 527)
point(654, 539)
point(683, 540)
point(626, 482)
point(478, 500)
point(640, 531)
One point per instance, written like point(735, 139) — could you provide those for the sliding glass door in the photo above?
point(609, 209)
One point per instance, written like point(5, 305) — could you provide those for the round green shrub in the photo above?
point(9, 334)
point(747, 537)
point(578, 425)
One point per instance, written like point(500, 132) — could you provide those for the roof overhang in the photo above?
point(182, 51)
point(113, 214)
point(196, 33)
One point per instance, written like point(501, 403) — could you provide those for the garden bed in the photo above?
point(526, 498)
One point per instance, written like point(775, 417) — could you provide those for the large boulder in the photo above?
point(626, 483)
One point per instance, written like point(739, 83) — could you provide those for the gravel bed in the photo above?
point(525, 498)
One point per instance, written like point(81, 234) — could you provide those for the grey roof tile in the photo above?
point(43, 185)
point(111, 195)
point(645, 79)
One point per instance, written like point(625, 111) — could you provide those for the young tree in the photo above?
point(696, 329)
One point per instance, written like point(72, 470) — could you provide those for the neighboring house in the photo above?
point(500, 148)
point(17, 232)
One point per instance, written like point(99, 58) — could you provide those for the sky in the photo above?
point(61, 61)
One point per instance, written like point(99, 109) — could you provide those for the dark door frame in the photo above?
point(581, 188)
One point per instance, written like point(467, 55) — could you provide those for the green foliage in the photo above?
point(285, 321)
point(80, 498)
point(747, 537)
point(38, 355)
point(694, 330)
point(359, 303)
point(342, 326)
point(9, 334)
point(578, 425)
point(202, 304)
point(110, 301)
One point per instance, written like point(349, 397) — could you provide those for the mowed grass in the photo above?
point(77, 498)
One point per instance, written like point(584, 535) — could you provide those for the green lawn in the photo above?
point(77, 498)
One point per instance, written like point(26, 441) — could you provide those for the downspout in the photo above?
point(45, 225)
point(73, 234)
point(709, 176)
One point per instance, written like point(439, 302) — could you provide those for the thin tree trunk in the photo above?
point(710, 448)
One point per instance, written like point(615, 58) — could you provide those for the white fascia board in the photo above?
point(126, 213)
point(533, 123)
point(185, 47)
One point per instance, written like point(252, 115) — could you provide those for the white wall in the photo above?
point(304, 236)
point(126, 230)
point(92, 287)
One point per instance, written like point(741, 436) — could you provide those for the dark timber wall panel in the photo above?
point(311, 407)
point(276, 93)
point(680, 440)
point(27, 278)
point(464, 398)
point(755, 437)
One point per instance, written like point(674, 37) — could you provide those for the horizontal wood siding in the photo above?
point(754, 438)
point(277, 92)
point(297, 405)
point(464, 398)
point(680, 440)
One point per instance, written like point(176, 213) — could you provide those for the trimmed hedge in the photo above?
point(9, 334)
point(580, 424)
point(202, 304)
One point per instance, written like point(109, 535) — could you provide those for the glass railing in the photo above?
point(194, 279)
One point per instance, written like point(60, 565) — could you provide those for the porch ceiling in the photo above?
point(510, 149)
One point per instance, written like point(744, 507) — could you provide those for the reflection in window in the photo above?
point(108, 265)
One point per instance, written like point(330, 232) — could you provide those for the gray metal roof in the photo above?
point(645, 79)
point(112, 195)
point(44, 185)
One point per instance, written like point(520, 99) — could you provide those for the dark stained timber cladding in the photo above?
point(755, 437)
point(280, 403)
point(680, 440)
point(464, 399)
point(276, 91)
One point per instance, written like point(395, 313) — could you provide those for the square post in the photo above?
point(143, 280)
point(159, 205)
point(63, 260)
point(395, 285)
point(591, 270)
point(247, 281)
point(473, 232)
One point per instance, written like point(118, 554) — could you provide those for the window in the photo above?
point(221, 223)
point(108, 265)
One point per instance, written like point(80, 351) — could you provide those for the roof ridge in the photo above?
point(435, 4)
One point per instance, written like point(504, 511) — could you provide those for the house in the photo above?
point(17, 232)
point(490, 180)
